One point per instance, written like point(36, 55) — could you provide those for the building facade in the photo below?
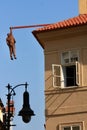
point(65, 52)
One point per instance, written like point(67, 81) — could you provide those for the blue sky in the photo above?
point(29, 66)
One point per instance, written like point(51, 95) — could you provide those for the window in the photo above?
point(71, 128)
point(70, 57)
point(56, 75)
point(68, 73)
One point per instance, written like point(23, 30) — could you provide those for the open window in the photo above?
point(66, 76)
point(77, 73)
point(56, 70)
point(68, 73)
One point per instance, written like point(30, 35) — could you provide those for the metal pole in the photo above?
point(30, 26)
point(8, 118)
point(8, 104)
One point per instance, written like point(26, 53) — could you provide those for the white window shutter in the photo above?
point(56, 71)
point(77, 73)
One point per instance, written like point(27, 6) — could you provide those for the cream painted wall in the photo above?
point(65, 106)
point(82, 6)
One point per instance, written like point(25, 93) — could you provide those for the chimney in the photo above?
point(82, 6)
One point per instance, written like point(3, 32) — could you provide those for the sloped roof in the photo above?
point(71, 22)
point(78, 20)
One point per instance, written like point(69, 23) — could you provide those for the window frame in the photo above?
point(78, 73)
point(69, 57)
point(56, 76)
point(62, 81)
point(62, 69)
point(71, 125)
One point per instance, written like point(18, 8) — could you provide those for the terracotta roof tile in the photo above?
point(79, 20)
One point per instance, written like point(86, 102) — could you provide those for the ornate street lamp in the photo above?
point(26, 112)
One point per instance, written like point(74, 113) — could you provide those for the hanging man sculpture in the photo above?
point(10, 40)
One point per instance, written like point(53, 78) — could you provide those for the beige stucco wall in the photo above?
point(63, 106)
point(66, 105)
point(57, 122)
point(75, 40)
point(82, 6)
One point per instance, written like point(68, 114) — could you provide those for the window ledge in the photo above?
point(66, 90)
